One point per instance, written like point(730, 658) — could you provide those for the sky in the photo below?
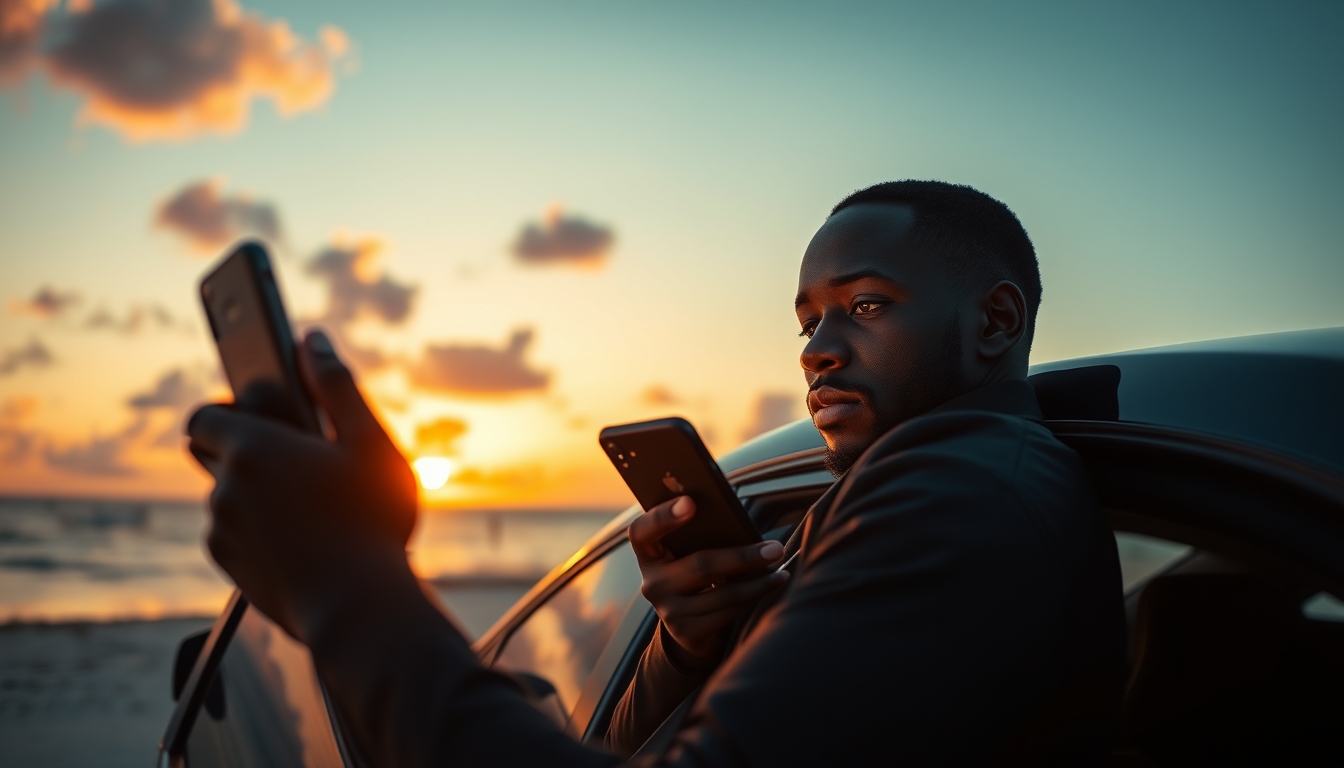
point(523, 222)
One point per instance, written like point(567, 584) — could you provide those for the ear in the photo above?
point(1003, 320)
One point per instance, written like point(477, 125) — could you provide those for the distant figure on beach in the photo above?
point(954, 598)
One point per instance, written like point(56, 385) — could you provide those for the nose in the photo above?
point(827, 349)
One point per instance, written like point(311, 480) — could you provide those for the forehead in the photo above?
point(861, 238)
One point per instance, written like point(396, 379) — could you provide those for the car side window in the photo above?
point(1143, 557)
point(561, 640)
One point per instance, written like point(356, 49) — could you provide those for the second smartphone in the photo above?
point(665, 458)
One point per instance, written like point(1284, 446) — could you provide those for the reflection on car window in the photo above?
point(266, 708)
point(562, 639)
point(1323, 607)
point(1143, 557)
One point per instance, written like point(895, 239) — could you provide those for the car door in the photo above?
point(253, 699)
point(1233, 587)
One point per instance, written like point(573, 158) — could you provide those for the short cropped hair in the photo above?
point(979, 236)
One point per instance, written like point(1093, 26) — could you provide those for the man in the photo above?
point(954, 598)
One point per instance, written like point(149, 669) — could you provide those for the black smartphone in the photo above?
point(256, 344)
point(665, 458)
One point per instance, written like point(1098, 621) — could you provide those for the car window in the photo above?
point(265, 706)
point(1143, 557)
point(562, 639)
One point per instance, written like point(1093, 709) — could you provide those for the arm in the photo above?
point(314, 534)
point(697, 598)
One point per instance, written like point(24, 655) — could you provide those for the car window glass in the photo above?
point(1143, 557)
point(265, 706)
point(1323, 606)
point(562, 639)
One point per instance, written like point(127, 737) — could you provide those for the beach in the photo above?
point(96, 595)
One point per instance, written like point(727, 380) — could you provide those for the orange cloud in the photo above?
point(34, 355)
point(209, 220)
point(20, 32)
point(15, 441)
point(469, 369)
point(169, 69)
point(440, 435)
point(98, 456)
point(561, 239)
point(46, 303)
point(659, 395)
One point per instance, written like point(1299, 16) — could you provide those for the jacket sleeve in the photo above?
point(658, 688)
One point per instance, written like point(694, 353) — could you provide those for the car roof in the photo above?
point(1283, 391)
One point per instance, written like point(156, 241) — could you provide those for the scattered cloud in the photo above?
point(16, 442)
point(34, 355)
point(658, 395)
point(772, 410)
point(466, 369)
point(358, 288)
point(100, 456)
point(46, 303)
point(50, 304)
point(174, 389)
point(20, 33)
point(356, 285)
point(169, 69)
point(440, 436)
point(210, 220)
point(137, 318)
point(561, 239)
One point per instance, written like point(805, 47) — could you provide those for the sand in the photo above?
point(87, 694)
point(90, 694)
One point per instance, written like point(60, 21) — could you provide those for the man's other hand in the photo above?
point(699, 595)
point(298, 520)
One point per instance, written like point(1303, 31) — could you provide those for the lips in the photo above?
point(831, 406)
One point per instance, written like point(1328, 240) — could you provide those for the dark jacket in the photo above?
point(956, 599)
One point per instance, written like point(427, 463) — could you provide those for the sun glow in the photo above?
point(433, 471)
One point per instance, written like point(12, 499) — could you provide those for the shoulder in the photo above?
point(978, 478)
point(986, 446)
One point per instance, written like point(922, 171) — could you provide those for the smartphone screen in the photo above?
point(665, 458)
point(256, 345)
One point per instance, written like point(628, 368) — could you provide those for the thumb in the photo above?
point(333, 388)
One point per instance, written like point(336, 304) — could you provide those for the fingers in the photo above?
point(729, 596)
point(333, 387)
point(710, 567)
point(648, 530)
point(227, 440)
point(209, 429)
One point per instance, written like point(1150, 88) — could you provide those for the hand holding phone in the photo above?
point(662, 459)
point(701, 560)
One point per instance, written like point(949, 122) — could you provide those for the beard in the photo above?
point(927, 381)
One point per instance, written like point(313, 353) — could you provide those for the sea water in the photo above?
point(92, 560)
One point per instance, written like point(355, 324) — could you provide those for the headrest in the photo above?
point(1091, 392)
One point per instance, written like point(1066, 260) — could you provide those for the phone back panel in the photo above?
point(665, 458)
point(256, 344)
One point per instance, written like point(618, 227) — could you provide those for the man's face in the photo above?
point(884, 328)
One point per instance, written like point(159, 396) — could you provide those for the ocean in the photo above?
point(64, 560)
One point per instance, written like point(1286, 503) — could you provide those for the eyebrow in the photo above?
point(846, 279)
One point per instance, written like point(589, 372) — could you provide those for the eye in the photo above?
point(808, 329)
point(866, 307)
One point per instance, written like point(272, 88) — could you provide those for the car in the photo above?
point(1220, 467)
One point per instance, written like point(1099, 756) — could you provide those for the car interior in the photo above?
point(1228, 669)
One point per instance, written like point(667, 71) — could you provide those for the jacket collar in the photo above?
point(1014, 397)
